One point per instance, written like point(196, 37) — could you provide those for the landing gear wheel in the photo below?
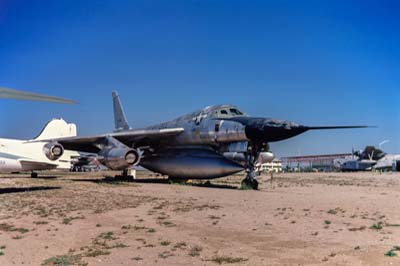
point(34, 175)
point(175, 180)
point(249, 183)
point(124, 177)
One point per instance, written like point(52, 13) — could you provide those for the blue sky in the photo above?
point(313, 62)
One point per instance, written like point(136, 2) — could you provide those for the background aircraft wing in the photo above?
point(90, 143)
point(23, 95)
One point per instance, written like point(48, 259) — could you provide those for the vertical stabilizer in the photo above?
point(57, 128)
point(119, 114)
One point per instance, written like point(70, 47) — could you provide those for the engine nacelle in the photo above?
point(119, 158)
point(265, 157)
point(53, 150)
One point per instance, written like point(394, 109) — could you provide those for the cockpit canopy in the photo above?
point(226, 112)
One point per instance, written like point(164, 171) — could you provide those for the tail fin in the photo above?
point(119, 114)
point(57, 128)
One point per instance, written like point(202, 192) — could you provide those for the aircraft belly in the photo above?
point(7, 165)
point(191, 164)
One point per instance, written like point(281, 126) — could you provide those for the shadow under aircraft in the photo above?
point(210, 143)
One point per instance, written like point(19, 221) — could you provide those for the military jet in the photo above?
point(198, 145)
point(371, 158)
point(23, 95)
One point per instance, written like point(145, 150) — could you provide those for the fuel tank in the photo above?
point(239, 157)
point(191, 164)
point(265, 157)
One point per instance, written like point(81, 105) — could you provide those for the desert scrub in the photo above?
point(107, 236)
point(332, 211)
point(64, 260)
point(195, 251)
point(392, 252)
point(165, 243)
point(97, 252)
point(68, 220)
point(226, 259)
point(180, 245)
point(377, 226)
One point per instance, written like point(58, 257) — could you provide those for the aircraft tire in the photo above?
point(250, 183)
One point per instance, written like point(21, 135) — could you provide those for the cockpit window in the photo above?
point(227, 112)
point(235, 111)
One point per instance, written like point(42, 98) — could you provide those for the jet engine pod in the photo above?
point(191, 164)
point(119, 158)
point(265, 157)
point(239, 157)
point(53, 150)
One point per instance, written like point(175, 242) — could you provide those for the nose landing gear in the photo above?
point(250, 181)
point(253, 152)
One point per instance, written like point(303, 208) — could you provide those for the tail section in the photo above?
point(119, 114)
point(57, 128)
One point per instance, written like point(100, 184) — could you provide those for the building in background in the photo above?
point(326, 162)
point(275, 166)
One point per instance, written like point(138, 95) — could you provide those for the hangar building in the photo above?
point(324, 162)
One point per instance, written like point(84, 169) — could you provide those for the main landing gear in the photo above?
point(125, 176)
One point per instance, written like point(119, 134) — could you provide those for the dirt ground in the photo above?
point(295, 219)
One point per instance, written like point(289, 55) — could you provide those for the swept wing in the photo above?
point(90, 143)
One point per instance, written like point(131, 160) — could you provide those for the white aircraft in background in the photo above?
point(23, 155)
point(23, 95)
point(369, 159)
point(18, 155)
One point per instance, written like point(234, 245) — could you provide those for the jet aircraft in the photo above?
point(23, 95)
point(18, 155)
point(21, 155)
point(198, 145)
point(370, 158)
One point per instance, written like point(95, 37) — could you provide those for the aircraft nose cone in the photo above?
point(270, 130)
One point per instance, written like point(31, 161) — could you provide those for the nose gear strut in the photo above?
point(253, 152)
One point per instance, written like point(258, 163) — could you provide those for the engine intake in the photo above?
point(53, 150)
point(119, 158)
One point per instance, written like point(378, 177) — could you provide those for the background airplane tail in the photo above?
point(57, 128)
point(119, 114)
